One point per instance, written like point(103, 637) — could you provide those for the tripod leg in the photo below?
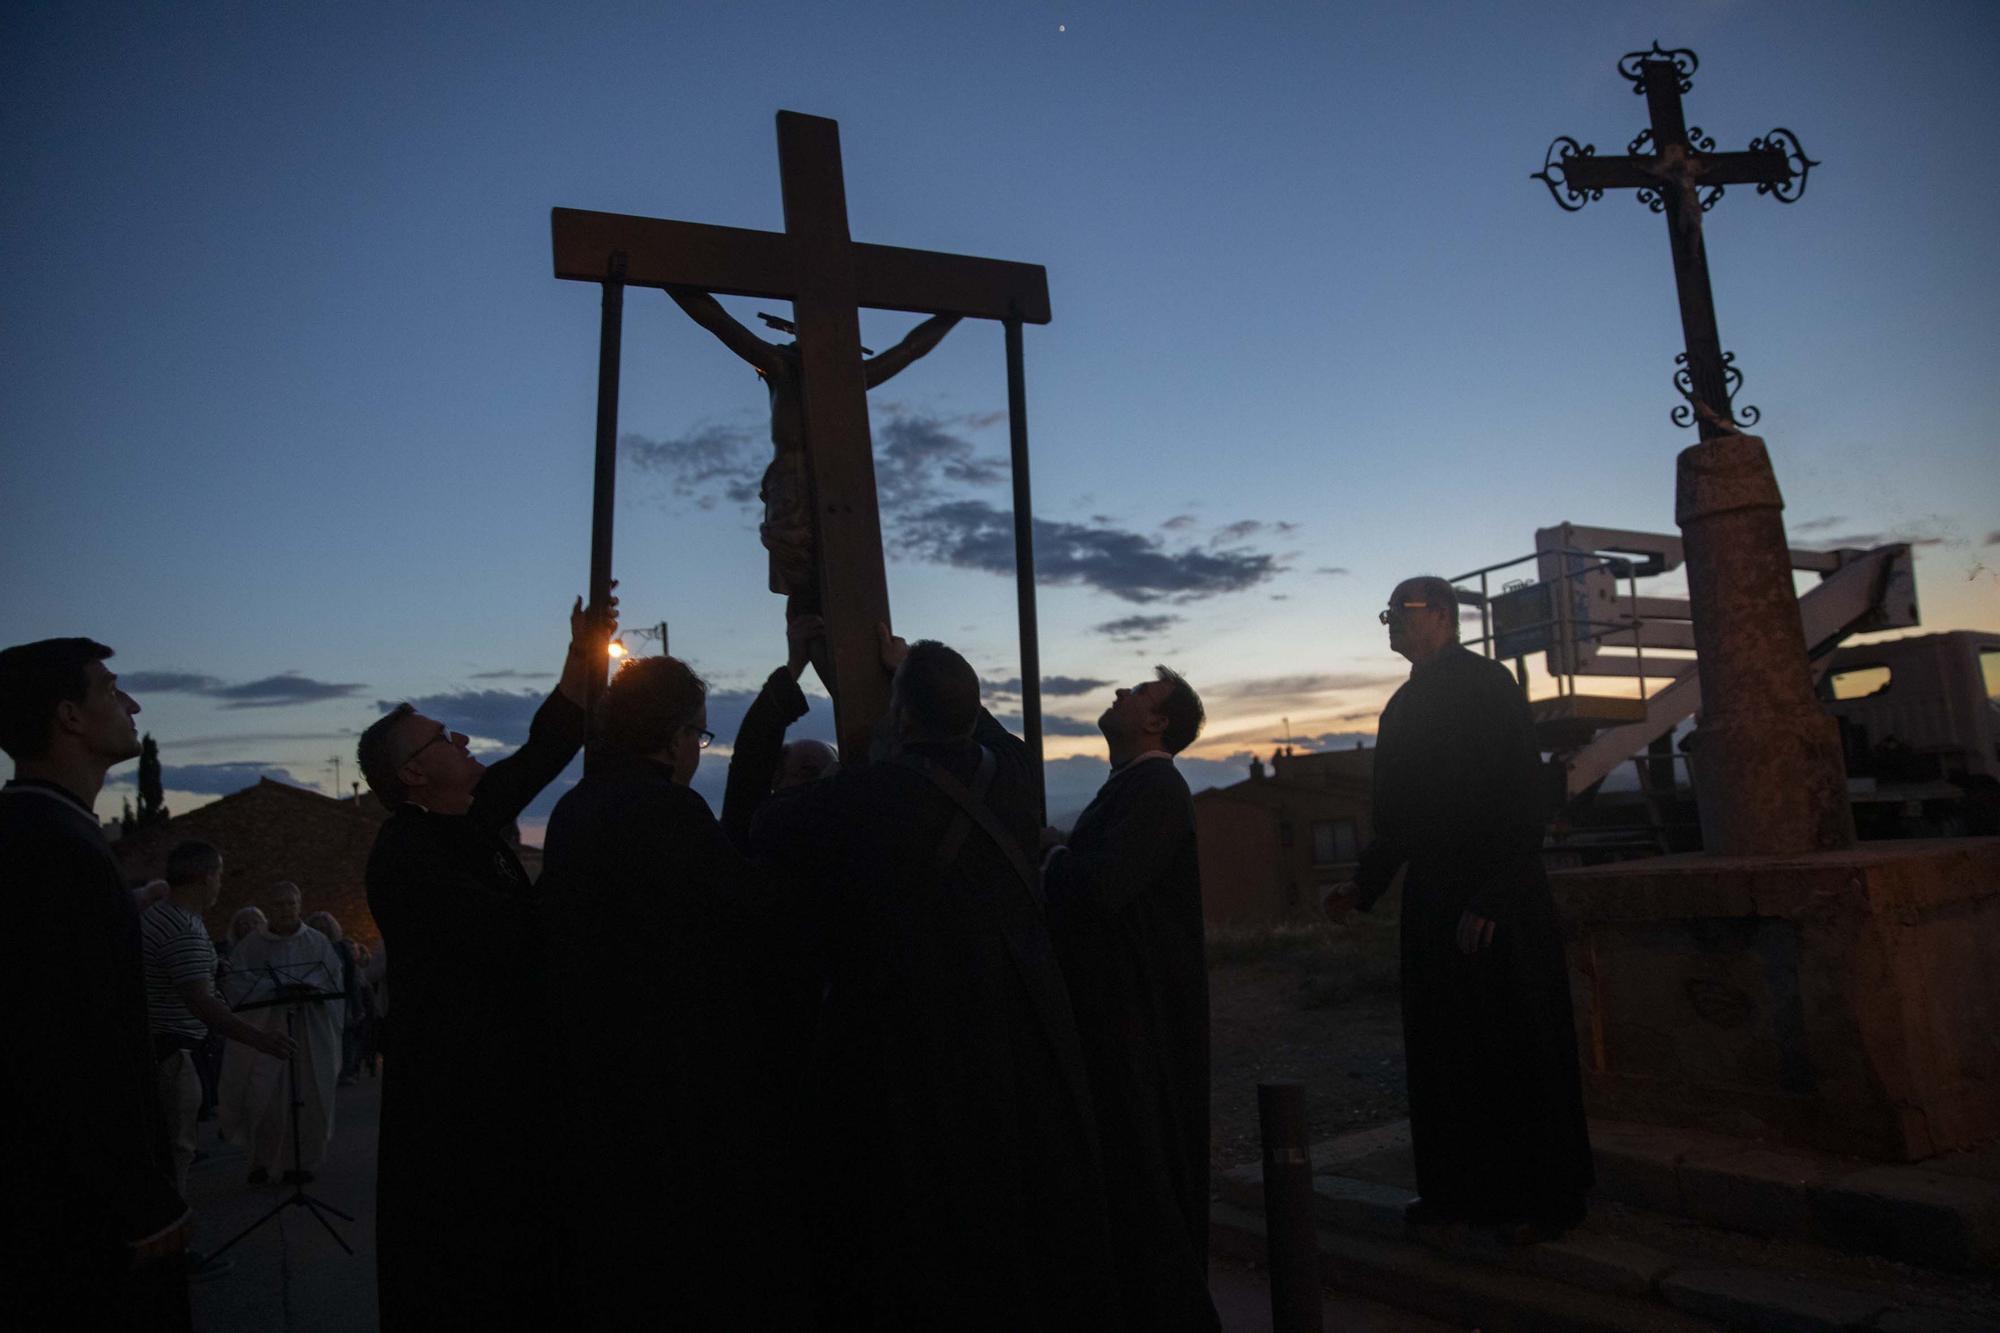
point(314, 1208)
point(314, 1201)
point(276, 1208)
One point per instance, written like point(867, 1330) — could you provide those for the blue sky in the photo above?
point(296, 417)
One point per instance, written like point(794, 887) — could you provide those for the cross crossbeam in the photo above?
point(1683, 178)
point(828, 277)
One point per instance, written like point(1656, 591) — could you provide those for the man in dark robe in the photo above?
point(94, 1233)
point(955, 1180)
point(461, 1199)
point(1124, 899)
point(1496, 1105)
point(680, 1009)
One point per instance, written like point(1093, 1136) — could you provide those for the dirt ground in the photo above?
point(1313, 1004)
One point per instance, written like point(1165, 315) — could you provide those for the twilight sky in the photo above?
point(295, 416)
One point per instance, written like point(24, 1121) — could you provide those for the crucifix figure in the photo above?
point(827, 277)
point(786, 489)
point(1765, 756)
point(1682, 177)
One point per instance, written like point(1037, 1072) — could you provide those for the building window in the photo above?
point(1284, 833)
point(1334, 841)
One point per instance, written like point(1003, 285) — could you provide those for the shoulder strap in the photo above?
point(973, 811)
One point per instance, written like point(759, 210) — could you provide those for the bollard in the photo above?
point(1290, 1245)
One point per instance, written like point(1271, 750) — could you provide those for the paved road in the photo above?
point(291, 1277)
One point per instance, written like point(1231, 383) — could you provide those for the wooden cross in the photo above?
point(1682, 177)
point(827, 276)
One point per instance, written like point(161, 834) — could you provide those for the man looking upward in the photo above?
point(1496, 1108)
point(460, 1207)
point(1124, 900)
point(92, 1231)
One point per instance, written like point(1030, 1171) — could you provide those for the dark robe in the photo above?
point(1125, 914)
point(460, 1205)
point(1496, 1107)
point(681, 1010)
point(955, 1181)
point(87, 1167)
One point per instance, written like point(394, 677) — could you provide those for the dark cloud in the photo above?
point(1179, 523)
point(1322, 682)
point(1993, 538)
point(972, 534)
point(494, 715)
point(1868, 540)
point(924, 467)
point(1331, 569)
point(1132, 629)
point(282, 691)
point(513, 675)
point(1058, 686)
point(1818, 524)
point(502, 716)
point(1238, 531)
point(167, 682)
point(213, 779)
point(1051, 725)
point(917, 455)
point(709, 463)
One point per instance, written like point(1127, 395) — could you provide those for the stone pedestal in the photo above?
point(1765, 756)
point(1848, 1001)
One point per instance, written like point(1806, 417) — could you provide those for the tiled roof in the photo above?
point(275, 831)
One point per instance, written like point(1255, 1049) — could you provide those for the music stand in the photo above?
point(292, 992)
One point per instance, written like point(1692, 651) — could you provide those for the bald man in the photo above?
point(275, 975)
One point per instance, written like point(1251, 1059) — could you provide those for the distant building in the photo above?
point(275, 831)
point(1273, 843)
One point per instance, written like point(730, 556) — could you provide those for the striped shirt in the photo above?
point(177, 949)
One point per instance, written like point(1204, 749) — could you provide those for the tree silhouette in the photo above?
point(152, 797)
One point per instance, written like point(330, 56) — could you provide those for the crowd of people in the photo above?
point(871, 1049)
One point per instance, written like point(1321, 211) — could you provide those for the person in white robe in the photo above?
point(284, 958)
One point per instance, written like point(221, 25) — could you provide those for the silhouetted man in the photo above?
point(1496, 1108)
point(91, 1231)
point(954, 1167)
point(461, 1229)
point(1124, 899)
point(669, 978)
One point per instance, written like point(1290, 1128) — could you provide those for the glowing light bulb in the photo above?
point(616, 649)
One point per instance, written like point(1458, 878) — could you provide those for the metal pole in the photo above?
point(604, 486)
point(1290, 1244)
point(1024, 559)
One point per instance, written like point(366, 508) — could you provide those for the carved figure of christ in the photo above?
point(786, 489)
point(827, 277)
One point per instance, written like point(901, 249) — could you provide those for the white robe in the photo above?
point(253, 1102)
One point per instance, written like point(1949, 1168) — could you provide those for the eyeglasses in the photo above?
point(1396, 613)
point(444, 734)
point(703, 737)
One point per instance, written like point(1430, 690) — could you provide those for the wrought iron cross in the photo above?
point(1682, 177)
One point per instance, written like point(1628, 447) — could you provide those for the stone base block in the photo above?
point(1848, 1001)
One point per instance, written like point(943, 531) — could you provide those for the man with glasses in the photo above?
point(1496, 1108)
point(460, 1225)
